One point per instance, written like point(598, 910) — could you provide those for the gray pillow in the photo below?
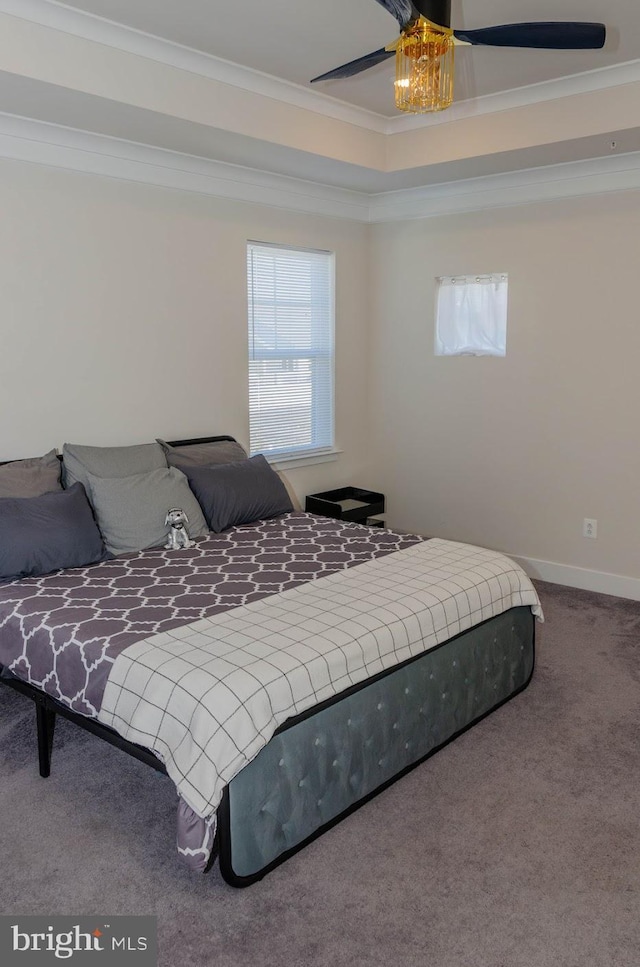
point(238, 493)
point(80, 461)
point(131, 511)
point(47, 533)
point(203, 454)
point(32, 477)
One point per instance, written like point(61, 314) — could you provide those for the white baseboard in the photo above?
point(581, 577)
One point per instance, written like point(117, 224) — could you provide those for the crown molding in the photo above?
point(52, 145)
point(584, 83)
point(59, 16)
point(533, 185)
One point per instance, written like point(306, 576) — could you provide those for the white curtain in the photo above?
point(471, 315)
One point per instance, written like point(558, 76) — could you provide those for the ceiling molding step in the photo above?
point(548, 183)
point(49, 13)
point(79, 23)
point(587, 82)
point(39, 142)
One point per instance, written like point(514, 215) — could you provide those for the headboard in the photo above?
point(172, 443)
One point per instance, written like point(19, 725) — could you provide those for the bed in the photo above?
point(343, 656)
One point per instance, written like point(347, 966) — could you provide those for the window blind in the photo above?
point(291, 350)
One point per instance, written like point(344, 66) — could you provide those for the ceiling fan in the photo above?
point(424, 51)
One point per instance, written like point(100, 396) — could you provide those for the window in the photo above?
point(291, 322)
point(471, 315)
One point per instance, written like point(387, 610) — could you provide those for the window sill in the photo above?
point(307, 460)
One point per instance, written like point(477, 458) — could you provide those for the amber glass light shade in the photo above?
point(424, 69)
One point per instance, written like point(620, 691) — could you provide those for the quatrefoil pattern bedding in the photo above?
point(62, 632)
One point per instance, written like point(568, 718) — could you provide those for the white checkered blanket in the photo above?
point(207, 697)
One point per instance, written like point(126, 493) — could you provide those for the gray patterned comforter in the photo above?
point(62, 632)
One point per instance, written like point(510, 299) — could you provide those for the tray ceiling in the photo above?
point(227, 82)
point(299, 39)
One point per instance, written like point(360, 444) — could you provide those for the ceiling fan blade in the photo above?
point(402, 10)
point(553, 36)
point(356, 66)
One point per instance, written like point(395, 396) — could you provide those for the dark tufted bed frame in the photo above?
point(322, 765)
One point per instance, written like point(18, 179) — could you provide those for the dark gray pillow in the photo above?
point(131, 511)
point(203, 454)
point(47, 533)
point(238, 493)
point(32, 477)
point(80, 461)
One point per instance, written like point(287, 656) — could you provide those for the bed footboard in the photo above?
point(323, 765)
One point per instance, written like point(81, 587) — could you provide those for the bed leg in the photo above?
point(46, 721)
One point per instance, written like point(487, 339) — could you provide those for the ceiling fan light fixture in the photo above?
point(424, 68)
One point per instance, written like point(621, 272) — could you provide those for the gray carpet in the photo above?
point(516, 846)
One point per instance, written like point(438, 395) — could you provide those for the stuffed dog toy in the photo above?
point(178, 533)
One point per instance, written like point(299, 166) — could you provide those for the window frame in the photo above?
point(322, 404)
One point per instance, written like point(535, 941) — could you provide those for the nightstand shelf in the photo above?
point(348, 503)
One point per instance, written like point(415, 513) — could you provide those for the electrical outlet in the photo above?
point(590, 527)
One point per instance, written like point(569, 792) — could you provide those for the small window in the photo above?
point(471, 315)
point(291, 350)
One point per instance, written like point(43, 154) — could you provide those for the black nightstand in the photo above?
point(348, 503)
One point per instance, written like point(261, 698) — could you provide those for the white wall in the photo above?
point(124, 318)
point(124, 315)
point(513, 453)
